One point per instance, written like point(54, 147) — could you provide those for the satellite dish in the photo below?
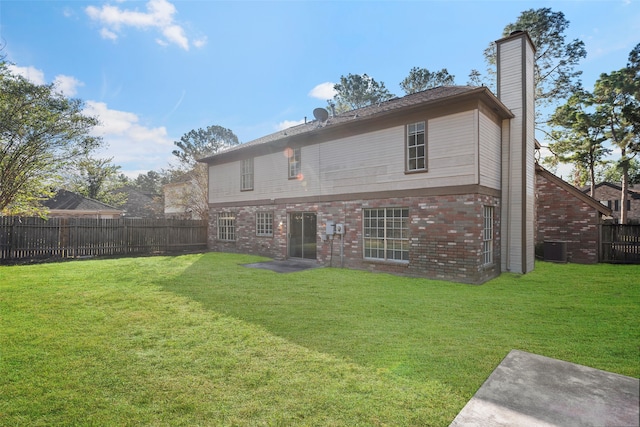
point(321, 114)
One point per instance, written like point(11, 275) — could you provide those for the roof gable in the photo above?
point(576, 192)
point(68, 200)
point(633, 192)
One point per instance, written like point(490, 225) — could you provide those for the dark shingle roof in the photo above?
point(633, 192)
point(429, 96)
point(68, 200)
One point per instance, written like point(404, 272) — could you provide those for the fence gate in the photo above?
point(620, 244)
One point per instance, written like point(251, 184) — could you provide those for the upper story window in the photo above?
point(295, 165)
point(416, 147)
point(246, 174)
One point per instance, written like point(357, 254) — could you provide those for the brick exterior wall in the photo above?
point(445, 234)
point(560, 216)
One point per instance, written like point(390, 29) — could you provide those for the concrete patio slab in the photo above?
point(286, 266)
point(532, 390)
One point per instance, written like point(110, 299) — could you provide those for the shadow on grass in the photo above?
point(420, 329)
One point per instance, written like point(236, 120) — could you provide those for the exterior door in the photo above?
point(302, 235)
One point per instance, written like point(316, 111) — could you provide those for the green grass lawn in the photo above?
point(201, 340)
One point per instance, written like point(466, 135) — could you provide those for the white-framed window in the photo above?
point(227, 226)
point(295, 165)
point(416, 147)
point(246, 174)
point(487, 236)
point(386, 234)
point(264, 224)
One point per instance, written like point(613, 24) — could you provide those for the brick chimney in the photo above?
point(516, 89)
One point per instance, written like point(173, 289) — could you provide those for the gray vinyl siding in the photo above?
point(368, 162)
point(490, 152)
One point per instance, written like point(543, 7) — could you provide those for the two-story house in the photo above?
point(437, 184)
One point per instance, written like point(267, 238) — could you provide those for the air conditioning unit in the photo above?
point(555, 251)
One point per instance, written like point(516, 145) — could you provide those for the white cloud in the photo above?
point(288, 124)
point(32, 74)
point(175, 34)
point(159, 15)
point(68, 85)
point(107, 34)
point(201, 42)
point(128, 141)
point(323, 91)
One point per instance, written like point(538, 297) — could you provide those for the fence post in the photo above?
point(600, 243)
point(14, 231)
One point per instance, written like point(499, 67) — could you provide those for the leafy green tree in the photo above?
point(579, 135)
point(632, 71)
point(613, 172)
point(556, 58)
point(152, 181)
point(41, 132)
point(200, 143)
point(420, 79)
point(98, 179)
point(617, 99)
point(356, 91)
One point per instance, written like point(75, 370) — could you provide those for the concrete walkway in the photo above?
point(531, 390)
point(285, 266)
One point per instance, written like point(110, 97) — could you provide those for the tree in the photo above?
point(555, 59)
point(420, 79)
point(617, 100)
point(199, 143)
point(613, 173)
point(191, 193)
point(579, 135)
point(633, 78)
point(151, 182)
point(98, 179)
point(356, 91)
point(41, 132)
point(475, 78)
point(194, 145)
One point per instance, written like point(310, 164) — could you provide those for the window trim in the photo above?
point(267, 222)
point(386, 239)
point(229, 228)
point(488, 233)
point(246, 174)
point(294, 162)
point(407, 135)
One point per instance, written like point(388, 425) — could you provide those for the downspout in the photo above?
point(508, 210)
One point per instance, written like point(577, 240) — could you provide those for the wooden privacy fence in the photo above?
point(36, 238)
point(620, 243)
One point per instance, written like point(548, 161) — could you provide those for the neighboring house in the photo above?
point(179, 201)
point(140, 204)
point(609, 194)
point(67, 204)
point(437, 184)
point(568, 217)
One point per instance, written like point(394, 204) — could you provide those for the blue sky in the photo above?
point(154, 70)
